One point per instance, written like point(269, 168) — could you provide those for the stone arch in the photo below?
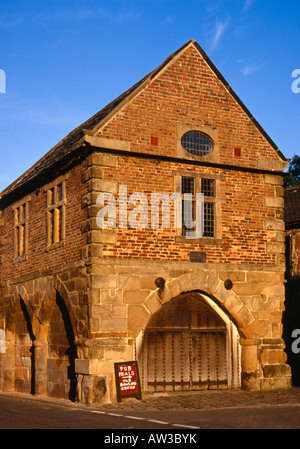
point(53, 286)
point(61, 351)
point(17, 292)
point(20, 342)
point(209, 284)
point(229, 356)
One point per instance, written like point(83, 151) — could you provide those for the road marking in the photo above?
point(157, 422)
point(135, 417)
point(143, 419)
point(185, 426)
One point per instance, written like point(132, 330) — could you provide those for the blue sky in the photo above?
point(65, 60)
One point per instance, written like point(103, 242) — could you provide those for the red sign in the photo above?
point(127, 380)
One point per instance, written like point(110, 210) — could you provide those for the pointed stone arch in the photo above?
point(172, 346)
point(61, 350)
point(20, 342)
point(56, 285)
point(209, 284)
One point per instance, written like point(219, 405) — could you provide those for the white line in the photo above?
point(185, 426)
point(135, 417)
point(158, 422)
point(143, 419)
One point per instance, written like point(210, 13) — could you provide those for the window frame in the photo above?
point(209, 131)
point(20, 222)
point(195, 143)
point(56, 201)
point(216, 200)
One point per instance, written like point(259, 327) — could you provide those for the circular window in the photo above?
point(197, 143)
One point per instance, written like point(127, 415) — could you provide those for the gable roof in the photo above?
point(70, 145)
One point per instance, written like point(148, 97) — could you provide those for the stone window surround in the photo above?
point(217, 239)
point(211, 132)
point(21, 222)
point(56, 204)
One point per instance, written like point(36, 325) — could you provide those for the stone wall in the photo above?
point(122, 307)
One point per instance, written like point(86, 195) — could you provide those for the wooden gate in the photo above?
point(185, 348)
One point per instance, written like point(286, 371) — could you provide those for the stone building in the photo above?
point(152, 232)
point(292, 225)
point(291, 316)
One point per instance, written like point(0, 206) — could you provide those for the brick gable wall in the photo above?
point(187, 91)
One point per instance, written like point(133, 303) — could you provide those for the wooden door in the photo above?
point(184, 348)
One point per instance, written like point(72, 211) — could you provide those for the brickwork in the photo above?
point(87, 299)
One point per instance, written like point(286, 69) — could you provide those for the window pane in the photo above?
point(60, 223)
point(208, 187)
point(16, 216)
point(21, 240)
point(50, 197)
point(188, 185)
point(197, 143)
point(209, 220)
point(60, 192)
point(51, 227)
point(188, 216)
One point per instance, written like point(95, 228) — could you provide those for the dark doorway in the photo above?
point(61, 377)
point(291, 322)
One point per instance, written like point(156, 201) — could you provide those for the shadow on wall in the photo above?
point(291, 322)
point(71, 352)
point(32, 338)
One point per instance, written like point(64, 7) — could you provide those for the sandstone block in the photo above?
point(135, 296)
point(138, 317)
point(249, 358)
point(251, 381)
point(273, 179)
point(94, 390)
point(114, 324)
point(275, 248)
point(105, 160)
point(277, 383)
point(249, 288)
point(99, 236)
point(274, 225)
point(234, 276)
point(153, 303)
point(274, 202)
point(259, 329)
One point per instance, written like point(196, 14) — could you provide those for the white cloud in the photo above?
point(248, 4)
point(248, 69)
point(219, 30)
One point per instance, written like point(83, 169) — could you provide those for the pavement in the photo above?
point(207, 400)
point(190, 400)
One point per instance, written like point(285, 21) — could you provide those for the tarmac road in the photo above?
point(183, 412)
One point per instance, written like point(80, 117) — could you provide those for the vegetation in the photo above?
point(292, 177)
